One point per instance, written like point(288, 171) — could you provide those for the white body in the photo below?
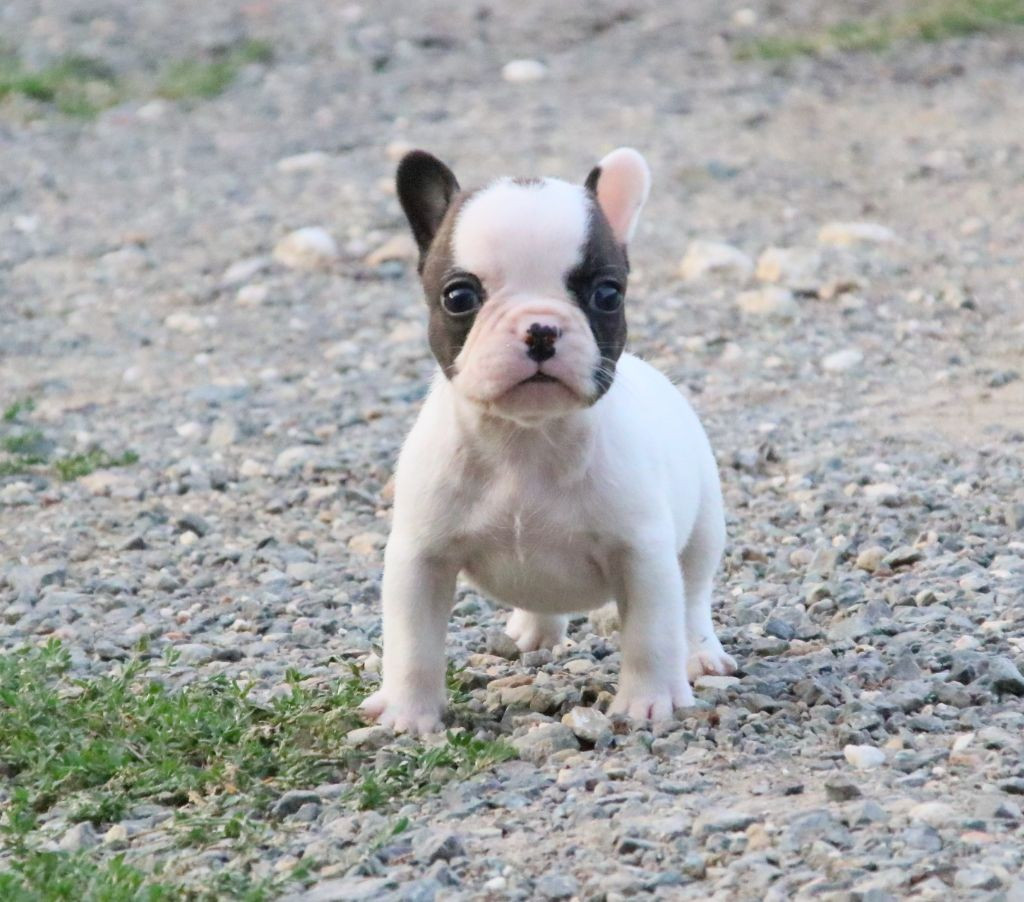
point(618, 501)
point(521, 475)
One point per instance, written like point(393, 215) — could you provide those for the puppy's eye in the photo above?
point(461, 299)
point(607, 297)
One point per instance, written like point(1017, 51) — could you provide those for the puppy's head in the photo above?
point(526, 280)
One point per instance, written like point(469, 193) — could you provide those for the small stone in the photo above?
point(882, 492)
point(870, 558)
point(588, 724)
point(556, 886)
point(399, 247)
point(934, 814)
point(864, 757)
point(714, 258)
point(80, 836)
point(768, 301)
point(347, 889)
point(543, 741)
point(292, 801)
point(796, 268)
point(307, 248)
point(438, 846)
point(840, 361)
point(303, 162)
point(845, 234)
point(252, 295)
point(523, 71)
point(223, 434)
point(194, 653)
point(192, 523)
point(976, 878)
point(294, 458)
point(242, 271)
point(372, 737)
point(501, 644)
point(779, 629)
point(1004, 676)
point(367, 542)
point(116, 835)
point(183, 321)
point(841, 789)
point(1013, 516)
point(722, 822)
point(903, 556)
point(712, 681)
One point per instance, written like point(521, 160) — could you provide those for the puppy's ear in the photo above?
point(425, 189)
point(621, 183)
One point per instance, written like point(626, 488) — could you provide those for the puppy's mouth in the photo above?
point(537, 378)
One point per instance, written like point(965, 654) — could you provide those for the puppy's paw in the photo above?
point(652, 702)
point(708, 657)
point(533, 631)
point(409, 714)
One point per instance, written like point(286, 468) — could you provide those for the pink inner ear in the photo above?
point(622, 189)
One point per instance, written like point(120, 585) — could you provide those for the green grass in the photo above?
point(97, 747)
point(15, 410)
point(930, 21)
point(75, 85)
point(74, 466)
point(27, 450)
point(206, 78)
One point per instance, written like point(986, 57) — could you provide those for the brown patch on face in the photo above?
point(603, 258)
point(446, 334)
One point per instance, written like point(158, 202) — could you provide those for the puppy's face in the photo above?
point(526, 281)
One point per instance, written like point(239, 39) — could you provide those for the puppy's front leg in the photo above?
point(653, 678)
point(417, 594)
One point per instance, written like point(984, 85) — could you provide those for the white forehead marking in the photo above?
point(522, 236)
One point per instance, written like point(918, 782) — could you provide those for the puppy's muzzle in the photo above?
point(540, 341)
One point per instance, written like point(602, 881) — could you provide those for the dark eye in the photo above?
point(461, 299)
point(606, 297)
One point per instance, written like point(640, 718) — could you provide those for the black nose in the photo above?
point(540, 342)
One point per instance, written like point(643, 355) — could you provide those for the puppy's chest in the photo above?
point(534, 543)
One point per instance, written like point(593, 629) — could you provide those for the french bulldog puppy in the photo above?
point(547, 466)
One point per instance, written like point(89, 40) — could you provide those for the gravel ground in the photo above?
point(862, 391)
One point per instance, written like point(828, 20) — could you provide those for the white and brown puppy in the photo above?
point(550, 468)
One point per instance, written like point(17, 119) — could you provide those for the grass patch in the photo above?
point(75, 466)
point(206, 78)
point(27, 450)
point(930, 21)
point(97, 747)
point(75, 85)
point(15, 410)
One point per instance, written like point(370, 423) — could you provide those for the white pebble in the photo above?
point(838, 361)
point(307, 248)
point(864, 757)
point(844, 234)
point(707, 258)
point(522, 71)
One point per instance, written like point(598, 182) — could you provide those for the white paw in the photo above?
point(533, 631)
point(708, 657)
point(652, 702)
point(410, 714)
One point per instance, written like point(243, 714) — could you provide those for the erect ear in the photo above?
point(425, 189)
point(621, 183)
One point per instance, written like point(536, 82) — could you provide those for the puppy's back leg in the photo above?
point(699, 561)
point(533, 631)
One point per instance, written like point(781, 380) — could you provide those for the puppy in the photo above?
point(547, 466)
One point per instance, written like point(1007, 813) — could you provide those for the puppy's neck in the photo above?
point(562, 443)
